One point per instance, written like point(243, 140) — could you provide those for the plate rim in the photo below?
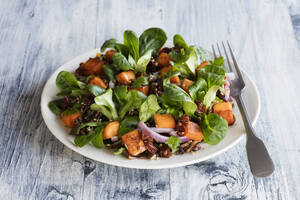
point(171, 165)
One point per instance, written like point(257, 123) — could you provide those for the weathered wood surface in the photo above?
point(37, 36)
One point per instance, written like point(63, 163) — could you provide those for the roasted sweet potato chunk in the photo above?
point(109, 54)
point(98, 81)
point(93, 66)
point(125, 78)
point(186, 83)
point(175, 79)
point(165, 69)
point(204, 63)
point(163, 59)
point(133, 143)
point(224, 109)
point(164, 121)
point(69, 120)
point(111, 129)
point(143, 89)
point(193, 131)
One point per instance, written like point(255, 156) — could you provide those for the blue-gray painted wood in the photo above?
point(37, 36)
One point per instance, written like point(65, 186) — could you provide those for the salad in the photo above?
point(142, 99)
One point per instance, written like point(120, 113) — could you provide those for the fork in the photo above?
point(261, 164)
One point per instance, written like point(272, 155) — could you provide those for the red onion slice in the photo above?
point(157, 137)
point(227, 92)
point(161, 130)
point(183, 139)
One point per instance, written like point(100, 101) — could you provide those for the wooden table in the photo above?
point(38, 36)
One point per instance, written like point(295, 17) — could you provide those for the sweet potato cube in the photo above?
point(143, 89)
point(164, 121)
point(224, 109)
point(69, 120)
point(111, 129)
point(125, 77)
point(93, 66)
point(165, 70)
point(204, 63)
point(163, 59)
point(193, 131)
point(133, 143)
point(98, 81)
point(109, 54)
point(186, 83)
point(175, 79)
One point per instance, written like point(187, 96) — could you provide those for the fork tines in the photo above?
point(236, 67)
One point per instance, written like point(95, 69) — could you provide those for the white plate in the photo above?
point(234, 135)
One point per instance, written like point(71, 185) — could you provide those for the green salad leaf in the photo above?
point(213, 74)
point(120, 60)
point(54, 106)
point(152, 40)
point(120, 93)
point(94, 136)
point(96, 90)
point(83, 140)
point(148, 108)
point(182, 68)
point(180, 42)
point(219, 61)
point(89, 78)
point(210, 96)
point(128, 124)
point(105, 103)
point(143, 61)
point(109, 71)
point(97, 141)
point(186, 59)
point(90, 124)
point(132, 42)
point(214, 128)
point(112, 44)
point(173, 142)
point(139, 82)
point(192, 61)
point(120, 151)
point(66, 80)
point(75, 109)
point(199, 85)
point(174, 111)
point(134, 100)
point(177, 97)
point(69, 85)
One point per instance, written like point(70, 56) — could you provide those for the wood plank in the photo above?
point(37, 36)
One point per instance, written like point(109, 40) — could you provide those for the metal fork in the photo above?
point(260, 162)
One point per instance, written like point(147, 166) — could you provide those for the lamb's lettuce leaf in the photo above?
point(151, 39)
point(177, 97)
point(214, 128)
point(120, 60)
point(132, 42)
point(199, 85)
point(140, 81)
point(134, 100)
point(105, 103)
point(173, 142)
point(148, 108)
point(128, 124)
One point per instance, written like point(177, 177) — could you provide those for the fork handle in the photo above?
point(260, 162)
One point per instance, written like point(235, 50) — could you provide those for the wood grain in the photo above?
point(37, 36)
